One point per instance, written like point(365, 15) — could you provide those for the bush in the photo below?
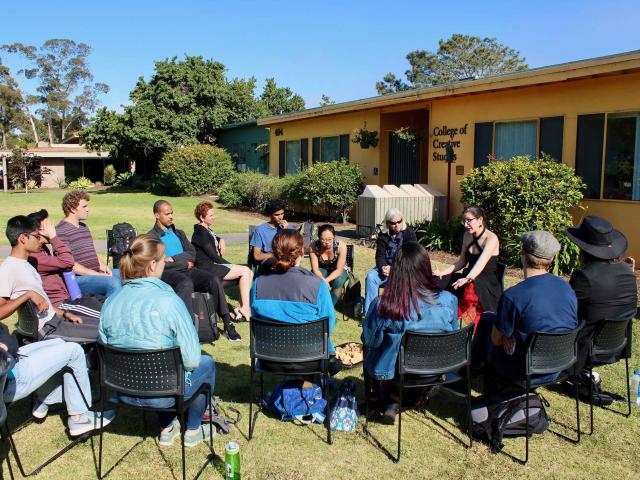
point(195, 170)
point(62, 183)
point(127, 179)
point(520, 195)
point(109, 174)
point(251, 189)
point(440, 235)
point(82, 183)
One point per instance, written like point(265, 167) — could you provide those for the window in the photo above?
point(504, 140)
point(618, 177)
point(293, 156)
point(329, 149)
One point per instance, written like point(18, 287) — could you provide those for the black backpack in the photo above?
point(206, 320)
point(122, 234)
point(495, 417)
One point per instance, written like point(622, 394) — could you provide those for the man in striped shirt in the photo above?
point(93, 274)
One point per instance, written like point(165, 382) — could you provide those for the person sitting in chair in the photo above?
point(540, 303)
point(146, 314)
point(328, 260)
point(262, 237)
point(387, 245)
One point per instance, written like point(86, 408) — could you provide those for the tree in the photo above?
point(66, 92)
point(279, 100)
point(14, 111)
point(24, 168)
point(326, 100)
point(458, 58)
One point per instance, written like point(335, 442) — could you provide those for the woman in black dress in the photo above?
point(209, 255)
point(478, 286)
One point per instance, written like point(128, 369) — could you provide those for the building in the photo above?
point(584, 113)
point(247, 143)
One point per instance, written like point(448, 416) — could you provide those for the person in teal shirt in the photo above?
point(146, 314)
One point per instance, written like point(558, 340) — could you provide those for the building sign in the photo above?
point(446, 135)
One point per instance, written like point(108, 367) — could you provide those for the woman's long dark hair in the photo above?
point(410, 281)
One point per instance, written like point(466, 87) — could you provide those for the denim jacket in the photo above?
point(382, 336)
point(146, 314)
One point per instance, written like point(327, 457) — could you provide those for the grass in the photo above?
point(281, 450)
point(109, 208)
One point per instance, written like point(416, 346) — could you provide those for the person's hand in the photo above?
point(327, 282)
point(73, 318)
point(3, 346)
point(106, 270)
point(386, 270)
point(461, 282)
point(41, 303)
point(189, 265)
point(48, 229)
point(168, 259)
point(221, 245)
point(284, 223)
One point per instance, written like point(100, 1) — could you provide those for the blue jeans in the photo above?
point(100, 284)
point(373, 282)
point(205, 372)
point(37, 369)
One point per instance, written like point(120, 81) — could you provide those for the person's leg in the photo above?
point(204, 281)
point(99, 284)
point(372, 284)
point(205, 372)
point(337, 286)
point(39, 363)
point(244, 275)
point(59, 327)
point(481, 339)
point(182, 285)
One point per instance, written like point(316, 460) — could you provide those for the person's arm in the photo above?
point(381, 251)
point(185, 332)
point(506, 318)
point(9, 306)
point(256, 244)
point(315, 266)
point(342, 261)
point(326, 306)
point(63, 259)
point(491, 246)
point(104, 268)
point(73, 318)
point(82, 270)
point(373, 327)
point(204, 242)
point(460, 262)
point(187, 258)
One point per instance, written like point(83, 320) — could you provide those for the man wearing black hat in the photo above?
point(605, 286)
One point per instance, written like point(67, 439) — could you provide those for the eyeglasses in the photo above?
point(466, 221)
point(37, 235)
point(394, 223)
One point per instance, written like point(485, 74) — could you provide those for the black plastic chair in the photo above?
point(501, 270)
point(549, 353)
point(152, 374)
point(275, 344)
point(27, 327)
point(251, 263)
point(429, 359)
point(610, 339)
point(7, 362)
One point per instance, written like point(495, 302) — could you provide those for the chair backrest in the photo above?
point(6, 364)
point(434, 353)
point(551, 352)
point(289, 342)
point(250, 261)
point(611, 336)
point(28, 321)
point(501, 270)
point(351, 257)
point(142, 373)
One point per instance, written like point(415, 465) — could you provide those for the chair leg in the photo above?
point(102, 397)
point(366, 401)
point(526, 410)
point(251, 400)
point(400, 416)
point(578, 409)
point(325, 378)
point(626, 366)
point(469, 418)
point(590, 396)
point(210, 419)
point(183, 427)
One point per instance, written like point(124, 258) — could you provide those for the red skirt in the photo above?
point(469, 309)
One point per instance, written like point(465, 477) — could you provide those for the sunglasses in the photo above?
point(395, 223)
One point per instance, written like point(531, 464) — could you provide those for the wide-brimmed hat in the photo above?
point(596, 236)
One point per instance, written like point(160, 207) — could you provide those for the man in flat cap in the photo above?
point(540, 303)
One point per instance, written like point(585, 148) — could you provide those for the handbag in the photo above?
point(344, 414)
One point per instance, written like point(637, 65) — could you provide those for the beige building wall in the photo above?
point(56, 165)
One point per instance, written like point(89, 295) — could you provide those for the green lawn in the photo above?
point(284, 451)
point(109, 208)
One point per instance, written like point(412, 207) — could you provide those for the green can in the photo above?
point(232, 461)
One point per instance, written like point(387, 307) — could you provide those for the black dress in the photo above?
point(208, 252)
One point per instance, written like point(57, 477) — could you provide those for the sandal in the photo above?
point(223, 424)
point(239, 315)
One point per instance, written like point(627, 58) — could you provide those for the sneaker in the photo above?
point(201, 435)
point(40, 410)
point(166, 439)
point(89, 421)
point(390, 414)
point(231, 333)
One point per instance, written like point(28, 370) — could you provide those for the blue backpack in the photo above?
point(344, 415)
point(291, 400)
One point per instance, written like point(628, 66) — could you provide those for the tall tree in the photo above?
point(14, 110)
point(326, 100)
point(66, 92)
point(279, 100)
point(460, 57)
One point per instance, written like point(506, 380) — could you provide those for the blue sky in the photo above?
point(339, 48)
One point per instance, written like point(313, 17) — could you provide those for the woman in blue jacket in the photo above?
point(411, 302)
point(146, 314)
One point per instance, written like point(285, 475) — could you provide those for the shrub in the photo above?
point(250, 189)
point(195, 169)
point(109, 174)
point(62, 183)
point(520, 195)
point(127, 179)
point(334, 186)
point(440, 235)
point(81, 183)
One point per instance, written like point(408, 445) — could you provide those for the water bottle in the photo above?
point(635, 388)
point(71, 282)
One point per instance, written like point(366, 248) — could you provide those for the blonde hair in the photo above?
point(135, 260)
point(392, 212)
